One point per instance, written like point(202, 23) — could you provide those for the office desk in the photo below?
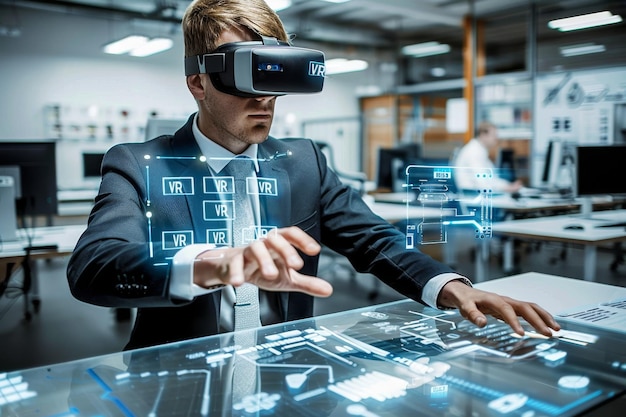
point(531, 206)
point(44, 243)
point(394, 212)
point(395, 359)
point(556, 294)
point(552, 228)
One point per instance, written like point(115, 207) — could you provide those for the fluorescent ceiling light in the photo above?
point(139, 46)
point(342, 65)
point(419, 50)
point(154, 46)
point(125, 45)
point(277, 5)
point(438, 72)
point(582, 49)
point(584, 21)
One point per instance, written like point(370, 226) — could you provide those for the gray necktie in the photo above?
point(247, 295)
point(246, 314)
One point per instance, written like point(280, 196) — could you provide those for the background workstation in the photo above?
point(59, 87)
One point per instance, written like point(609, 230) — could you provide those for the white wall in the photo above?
point(76, 83)
point(57, 61)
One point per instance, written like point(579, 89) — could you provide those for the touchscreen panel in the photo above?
point(395, 359)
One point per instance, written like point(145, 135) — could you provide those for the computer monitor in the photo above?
point(392, 162)
point(506, 164)
point(598, 170)
point(8, 218)
point(559, 162)
point(91, 164)
point(37, 194)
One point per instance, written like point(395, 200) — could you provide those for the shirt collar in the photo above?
point(220, 156)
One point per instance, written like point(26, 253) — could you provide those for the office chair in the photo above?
point(357, 181)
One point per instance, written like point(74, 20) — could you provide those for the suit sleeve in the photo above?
point(111, 264)
point(370, 243)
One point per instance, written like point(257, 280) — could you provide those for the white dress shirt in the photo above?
point(475, 155)
point(181, 280)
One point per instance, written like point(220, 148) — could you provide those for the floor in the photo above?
point(65, 329)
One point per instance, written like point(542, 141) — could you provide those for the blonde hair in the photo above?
point(205, 20)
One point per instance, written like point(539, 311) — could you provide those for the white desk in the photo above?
point(45, 242)
point(552, 292)
point(559, 295)
point(532, 205)
point(64, 237)
point(552, 228)
point(394, 212)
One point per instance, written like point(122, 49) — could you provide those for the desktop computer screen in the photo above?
point(392, 163)
point(8, 219)
point(91, 164)
point(506, 164)
point(37, 194)
point(597, 170)
point(559, 163)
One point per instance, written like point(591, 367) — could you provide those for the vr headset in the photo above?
point(261, 68)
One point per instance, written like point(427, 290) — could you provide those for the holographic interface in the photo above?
point(435, 190)
point(396, 359)
point(212, 195)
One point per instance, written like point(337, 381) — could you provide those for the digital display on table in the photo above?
point(396, 359)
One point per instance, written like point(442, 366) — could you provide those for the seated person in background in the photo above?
point(185, 297)
point(475, 154)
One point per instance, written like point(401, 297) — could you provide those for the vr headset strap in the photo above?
point(204, 64)
point(215, 62)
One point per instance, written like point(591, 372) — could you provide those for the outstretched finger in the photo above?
point(301, 240)
point(538, 318)
point(314, 286)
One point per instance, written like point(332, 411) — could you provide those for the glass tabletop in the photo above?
point(392, 359)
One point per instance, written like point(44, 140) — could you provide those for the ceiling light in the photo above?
point(582, 49)
point(342, 65)
point(584, 21)
point(438, 72)
point(139, 46)
point(277, 5)
point(154, 46)
point(125, 45)
point(419, 50)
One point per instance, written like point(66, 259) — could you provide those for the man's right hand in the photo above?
point(271, 264)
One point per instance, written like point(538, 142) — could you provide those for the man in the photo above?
point(182, 296)
point(475, 154)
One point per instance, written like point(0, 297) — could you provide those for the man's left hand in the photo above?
point(473, 304)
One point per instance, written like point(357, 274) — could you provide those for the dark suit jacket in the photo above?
point(119, 260)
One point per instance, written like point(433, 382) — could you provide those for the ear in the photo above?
point(196, 85)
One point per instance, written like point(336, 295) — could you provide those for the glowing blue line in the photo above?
point(71, 412)
point(150, 244)
point(108, 393)
point(578, 402)
point(451, 222)
point(148, 185)
point(176, 157)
